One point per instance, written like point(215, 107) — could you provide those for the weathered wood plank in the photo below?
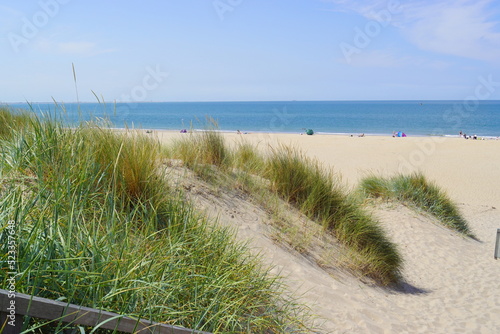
point(7, 325)
point(43, 308)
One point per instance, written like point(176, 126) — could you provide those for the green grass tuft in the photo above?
point(416, 190)
point(205, 147)
point(376, 187)
point(12, 121)
point(319, 194)
point(247, 158)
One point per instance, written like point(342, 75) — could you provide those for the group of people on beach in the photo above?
point(398, 134)
point(461, 134)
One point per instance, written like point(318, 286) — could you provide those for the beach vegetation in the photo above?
point(308, 187)
point(97, 225)
point(205, 147)
point(11, 121)
point(417, 191)
point(247, 158)
point(320, 195)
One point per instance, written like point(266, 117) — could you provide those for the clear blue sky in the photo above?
point(218, 50)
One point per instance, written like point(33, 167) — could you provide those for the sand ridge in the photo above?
point(452, 283)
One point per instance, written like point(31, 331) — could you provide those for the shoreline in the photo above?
point(319, 133)
point(367, 117)
point(466, 169)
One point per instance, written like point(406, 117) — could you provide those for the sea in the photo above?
point(414, 118)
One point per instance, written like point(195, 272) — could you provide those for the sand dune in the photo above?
point(452, 283)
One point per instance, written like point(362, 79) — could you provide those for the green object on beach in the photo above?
point(310, 132)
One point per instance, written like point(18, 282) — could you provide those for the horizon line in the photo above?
point(239, 101)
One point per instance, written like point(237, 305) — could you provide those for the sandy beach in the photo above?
point(452, 284)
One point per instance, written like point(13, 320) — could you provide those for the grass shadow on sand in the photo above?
point(408, 289)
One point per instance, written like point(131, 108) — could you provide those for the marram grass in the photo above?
point(247, 158)
point(417, 191)
point(12, 121)
point(97, 226)
point(315, 191)
point(319, 194)
point(203, 148)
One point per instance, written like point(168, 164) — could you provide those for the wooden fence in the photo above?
point(12, 311)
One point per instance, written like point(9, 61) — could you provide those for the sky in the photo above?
point(248, 50)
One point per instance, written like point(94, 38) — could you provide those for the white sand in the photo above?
point(453, 283)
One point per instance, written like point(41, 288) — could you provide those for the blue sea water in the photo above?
point(369, 117)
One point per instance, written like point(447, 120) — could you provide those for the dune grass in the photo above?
point(310, 188)
point(11, 121)
point(320, 195)
point(203, 148)
point(98, 226)
point(203, 152)
point(415, 190)
point(247, 158)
